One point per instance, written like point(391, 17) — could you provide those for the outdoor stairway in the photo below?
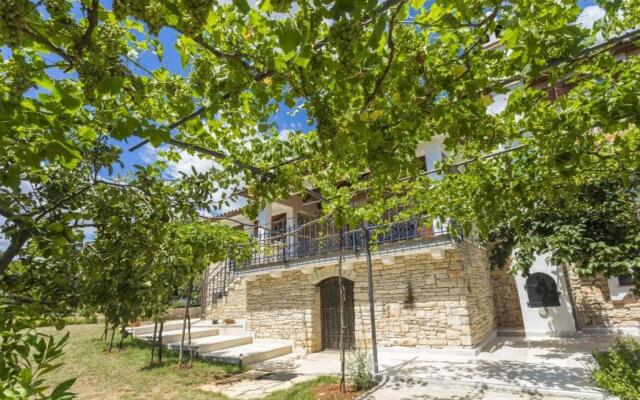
point(228, 344)
point(168, 326)
point(250, 353)
point(175, 334)
point(213, 343)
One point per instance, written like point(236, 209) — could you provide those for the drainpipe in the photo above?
point(372, 311)
point(572, 300)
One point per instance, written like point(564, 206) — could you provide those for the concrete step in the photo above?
point(175, 335)
point(250, 353)
point(168, 326)
point(213, 343)
point(223, 329)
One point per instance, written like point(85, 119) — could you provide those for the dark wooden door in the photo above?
point(330, 313)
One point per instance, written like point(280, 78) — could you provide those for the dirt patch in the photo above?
point(331, 391)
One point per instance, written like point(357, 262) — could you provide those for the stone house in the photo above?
point(431, 290)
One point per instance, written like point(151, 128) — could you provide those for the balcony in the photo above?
point(301, 241)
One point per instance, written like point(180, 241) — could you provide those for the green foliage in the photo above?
point(374, 78)
point(26, 357)
point(78, 319)
point(360, 370)
point(618, 369)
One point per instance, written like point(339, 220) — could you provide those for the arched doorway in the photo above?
point(544, 300)
point(330, 313)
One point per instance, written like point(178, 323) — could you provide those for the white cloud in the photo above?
point(284, 134)
point(590, 15)
point(4, 243)
point(149, 154)
point(189, 162)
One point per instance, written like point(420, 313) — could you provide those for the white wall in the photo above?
point(546, 321)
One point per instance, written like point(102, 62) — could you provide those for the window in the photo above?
point(625, 280)
point(542, 291)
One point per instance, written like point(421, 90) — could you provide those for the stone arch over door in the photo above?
point(330, 316)
point(321, 274)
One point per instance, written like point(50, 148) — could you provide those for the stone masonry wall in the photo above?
point(480, 295)
point(419, 301)
point(234, 305)
point(595, 307)
point(285, 308)
point(505, 299)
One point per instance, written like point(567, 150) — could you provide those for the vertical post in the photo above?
point(224, 278)
point(372, 307)
point(343, 326)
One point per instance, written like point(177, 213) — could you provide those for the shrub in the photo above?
point(359, 366)
point(618, 369)
point(27, 356)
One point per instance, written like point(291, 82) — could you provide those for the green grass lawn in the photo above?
point(125, 374)
point(303, 390)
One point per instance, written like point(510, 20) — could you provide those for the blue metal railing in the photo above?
point(289, 240)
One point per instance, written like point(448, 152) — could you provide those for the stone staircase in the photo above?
point(229, 344)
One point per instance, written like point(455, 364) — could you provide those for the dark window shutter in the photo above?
point(542, 291)
point(625, 280)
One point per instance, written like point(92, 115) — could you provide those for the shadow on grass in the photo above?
point(302, 390)
point(140, 349)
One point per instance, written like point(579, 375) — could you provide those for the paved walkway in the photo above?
point(429, 391)
point(553, 368)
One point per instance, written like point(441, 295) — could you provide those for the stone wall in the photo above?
point(234, 305)
point(482, 319)
point(178, 313)
point(419, 301)
point(285, 308)
point(595, 307)
point(505, 299)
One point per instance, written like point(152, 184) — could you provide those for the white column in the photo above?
point(292, 223)
point(264, 221)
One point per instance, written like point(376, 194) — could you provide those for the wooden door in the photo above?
point(330, 313)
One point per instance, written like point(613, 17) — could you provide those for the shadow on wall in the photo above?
point(595, 307)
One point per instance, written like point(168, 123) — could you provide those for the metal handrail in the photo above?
point(285, 242)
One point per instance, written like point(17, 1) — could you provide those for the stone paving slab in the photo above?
point(551, 367)
point(256, 385)
point(392, 389)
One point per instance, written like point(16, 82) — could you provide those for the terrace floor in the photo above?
point(553, 368)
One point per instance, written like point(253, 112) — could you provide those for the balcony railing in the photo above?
point(293, 240)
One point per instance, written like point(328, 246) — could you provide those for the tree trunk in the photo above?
point(105, 334)
point(184, 322)
point(113, 333)
point(153, 341)
point(12, 250)
point(160, 346)
point(189, 338)
point(342, 318)
point(123, 331)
